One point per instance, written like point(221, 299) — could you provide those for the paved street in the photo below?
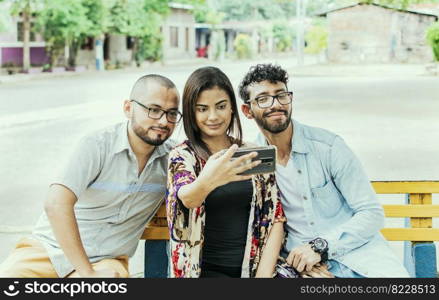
point(388, 115)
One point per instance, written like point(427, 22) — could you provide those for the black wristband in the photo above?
point(324, 257)
point(320, 246)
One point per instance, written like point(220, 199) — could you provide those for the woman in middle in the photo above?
point(221, 224)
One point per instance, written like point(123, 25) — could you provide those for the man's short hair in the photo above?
point(261, 72)
point(144, 80)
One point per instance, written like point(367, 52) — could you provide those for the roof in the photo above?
point(324, 14)
point(247, 25)
point(180, 6)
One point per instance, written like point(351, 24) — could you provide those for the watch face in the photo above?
point(320, 244)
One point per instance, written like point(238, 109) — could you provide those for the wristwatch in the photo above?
point(320, 246)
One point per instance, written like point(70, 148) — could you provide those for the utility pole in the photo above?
point(99, 52)
point(27, 16)
point(300, 17)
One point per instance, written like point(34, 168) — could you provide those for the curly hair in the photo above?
point(261, 72)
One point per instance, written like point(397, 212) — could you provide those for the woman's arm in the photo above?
point(192, 195)
point(271, 251)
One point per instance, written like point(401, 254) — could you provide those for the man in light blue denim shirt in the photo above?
point(333, 215)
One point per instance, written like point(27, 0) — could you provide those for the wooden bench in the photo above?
point(418, 233)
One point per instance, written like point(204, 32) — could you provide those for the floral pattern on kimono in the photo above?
point(186, 226)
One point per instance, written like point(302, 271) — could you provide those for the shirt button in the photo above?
point(311, 223)
point(299, 171)
point(305, 198)
point(333, 253)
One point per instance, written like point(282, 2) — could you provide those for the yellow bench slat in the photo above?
point(391, 234)
point(406, 187)
point(411, 234)
point(415, 211)
point(422, 199)
point(420, 211)
point(161, 213)
point(155, 233)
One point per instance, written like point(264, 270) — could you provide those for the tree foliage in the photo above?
point(62, 23)
point(243, 46)
point(141, 21)
point(432, 37)
point(253, 9)
point(70, 22)
point(283, 35)
point(316, 39)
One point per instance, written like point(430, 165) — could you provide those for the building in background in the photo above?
point(378, 34)
point(428, 8)
point(11, 43)
point(178, 31)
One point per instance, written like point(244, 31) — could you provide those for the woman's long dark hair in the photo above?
point(200, 80)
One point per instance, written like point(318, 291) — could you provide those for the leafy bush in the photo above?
point(283, 35)
point(11, 67)
point(9, 64)
point(316, 39)
point(433, 39)
point(149, 48)
point(243, 46)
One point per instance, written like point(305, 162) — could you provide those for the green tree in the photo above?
point(243, 46)
point(25, 8)
point(97, 13)
point(253, 9)
point(141, 21)
point(283, 35)
point(63, 23)
point(432, 37)
point(316, 39)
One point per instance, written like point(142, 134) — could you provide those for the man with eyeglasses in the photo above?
point(112, 185)
point(333, 215)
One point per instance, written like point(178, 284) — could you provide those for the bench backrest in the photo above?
point(419, 209)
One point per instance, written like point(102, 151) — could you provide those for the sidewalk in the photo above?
point(310, 69)
point(361, 70)
point(156, 65)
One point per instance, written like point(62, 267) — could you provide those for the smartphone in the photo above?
point(267, 156)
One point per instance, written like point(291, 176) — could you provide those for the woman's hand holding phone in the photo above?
point(220, 169)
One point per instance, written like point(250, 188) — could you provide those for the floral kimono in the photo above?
point(186, 226)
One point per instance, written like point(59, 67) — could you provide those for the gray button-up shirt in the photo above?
point(114, 202)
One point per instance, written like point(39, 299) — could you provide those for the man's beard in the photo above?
point(274, 127)
point(143, 134)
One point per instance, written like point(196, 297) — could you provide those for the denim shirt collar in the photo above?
point(299, 144)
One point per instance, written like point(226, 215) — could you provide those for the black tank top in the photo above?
point(227, 216)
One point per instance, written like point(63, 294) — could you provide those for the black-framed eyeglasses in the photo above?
point(172, 115)
point(266, 101)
